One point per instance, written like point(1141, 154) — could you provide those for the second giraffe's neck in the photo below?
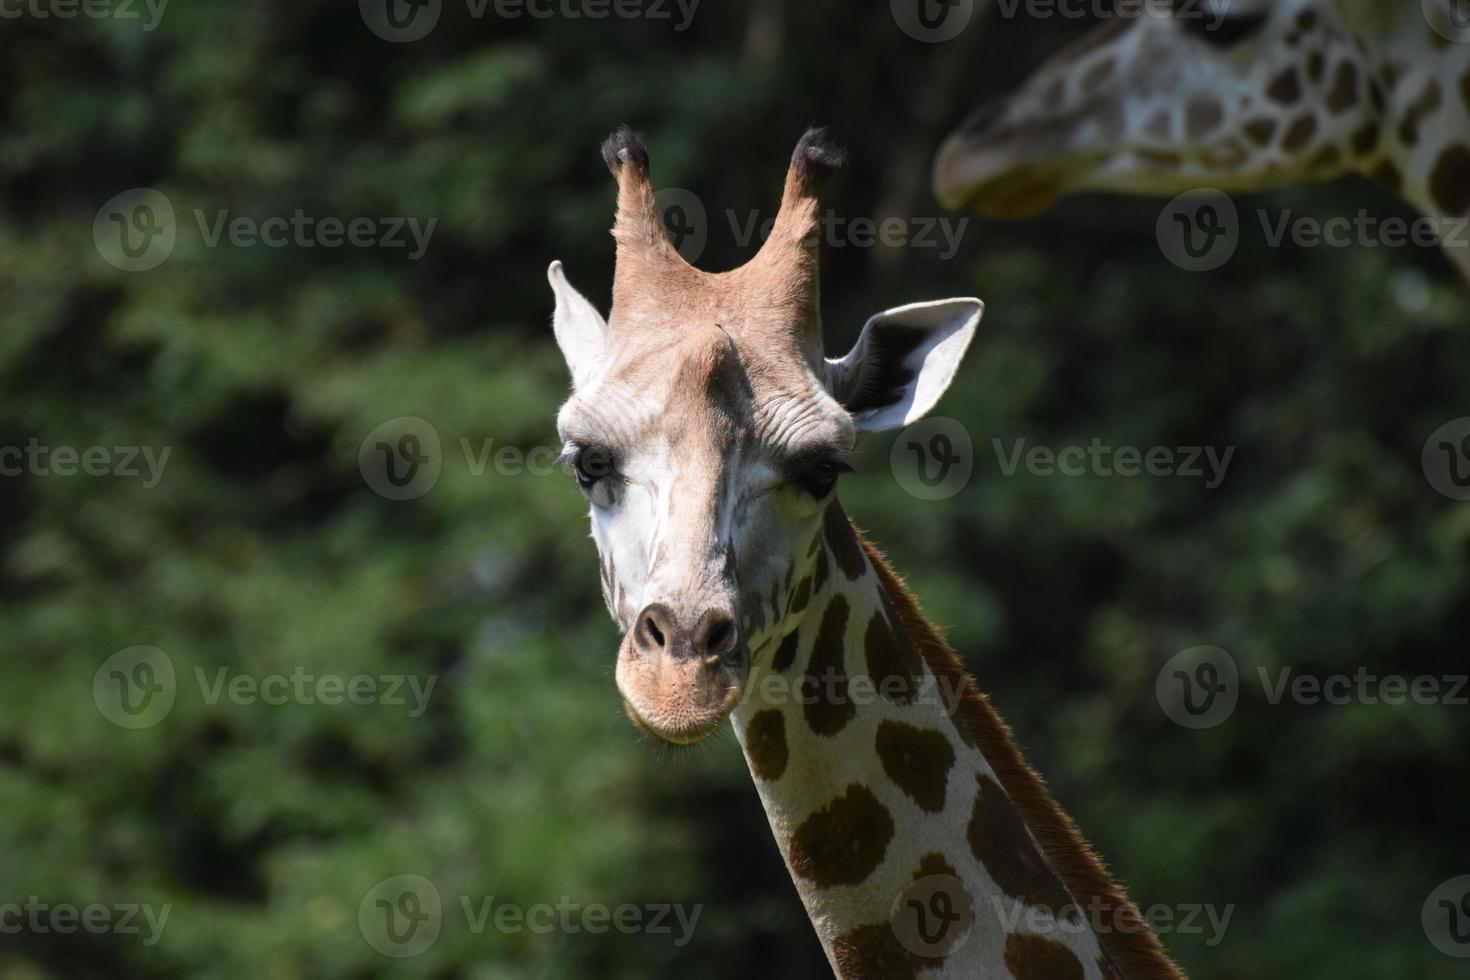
point(1424, 153)
point(899, 801)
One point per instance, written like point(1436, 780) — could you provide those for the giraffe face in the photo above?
point(708, 452)
point(1231, 94)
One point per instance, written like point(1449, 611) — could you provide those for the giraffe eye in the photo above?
point(591, 464)
point(1223, 30)
point(818, 477)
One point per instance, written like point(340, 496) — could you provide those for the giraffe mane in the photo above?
point(1124, 936)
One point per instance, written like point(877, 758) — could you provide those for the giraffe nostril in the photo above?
point(653, 627)
point(717, 634)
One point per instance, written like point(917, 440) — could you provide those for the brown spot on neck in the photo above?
point(826, 703)
point(843, 542)
point(1422, 108)
point(918, 760)
point(765, 744)
point(1039, 958)
point(844, 841)
point(894, 665)
point(1000, 841)
point(1286, 88)
point(1344, 93)
point(786, 652)
point(1299, 133)
point(1449, 181)
point(1122, 932)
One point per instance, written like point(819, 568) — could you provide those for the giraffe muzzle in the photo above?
point(681, 672)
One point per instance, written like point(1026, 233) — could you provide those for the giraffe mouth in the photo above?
point(680, 700)
point(681, 736)
point(997, 181)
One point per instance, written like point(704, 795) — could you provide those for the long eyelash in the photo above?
point(569, 454)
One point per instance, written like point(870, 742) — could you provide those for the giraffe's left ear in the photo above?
point(903, 362)
point(581, 332)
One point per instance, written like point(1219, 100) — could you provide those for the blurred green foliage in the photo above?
point(263, 551)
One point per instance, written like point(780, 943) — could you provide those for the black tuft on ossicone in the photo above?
point(624, 145)
point(817, 155)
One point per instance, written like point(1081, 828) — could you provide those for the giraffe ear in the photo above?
point(903, 362)
point(581, 332)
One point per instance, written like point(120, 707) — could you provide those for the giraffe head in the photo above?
point(1232, 94)
point(708, 431)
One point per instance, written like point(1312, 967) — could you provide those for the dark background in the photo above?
point(264, 551)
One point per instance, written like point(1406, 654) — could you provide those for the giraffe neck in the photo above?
point(895, 795)
point(1425, 152)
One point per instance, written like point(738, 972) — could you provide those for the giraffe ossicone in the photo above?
point(708, 430)
point(1237, 96)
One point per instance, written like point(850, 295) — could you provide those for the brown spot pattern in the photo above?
point(819, 576)
point(843, 543)
point(1344, 93)
point(1005, 847)
point(1422, 108)
point(825, 700)
point(934, 863)
point(874, 953)
point(1449, 182)
point(1299, 133)
point(765, 743)
point(1326, 158)
point(918, 761)
point(1203, 116)
point(1260, 131)
point(1039, 958)
point(844, 841)
point(1365, 140)
point(1388, 174)
point(786, 652)
point(802, 596)
point(1315, 66)
point(1286, 88)
point(894, 665)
